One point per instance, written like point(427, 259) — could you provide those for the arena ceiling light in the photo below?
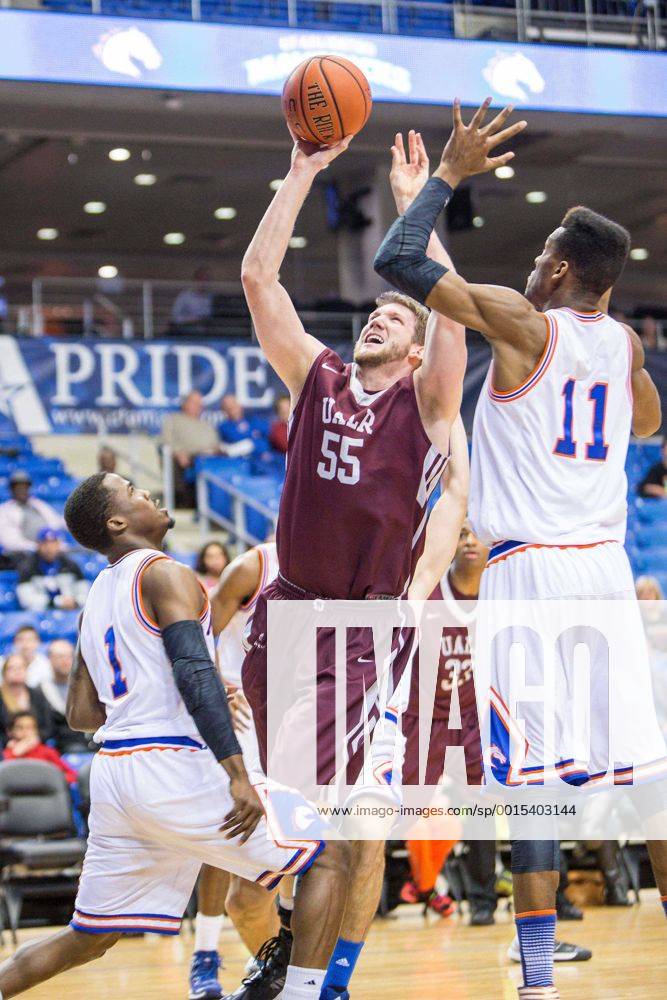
point(47, 234)
point(145, 180)
point(478, 221)
point(504, 173)
point(108, 271)
point(95, 207)
point(120, 154)
point(225, 213)
point(298, 242)
point(639, 253)
point(536, 197)
point(276, 184)
point(174, 239)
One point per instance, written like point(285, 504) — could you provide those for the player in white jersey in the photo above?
point(250, 907)
point(169, 789)
point(566, 386)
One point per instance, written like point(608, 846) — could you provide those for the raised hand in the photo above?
point(408, 174)
point(469, 147)
point(316, 158)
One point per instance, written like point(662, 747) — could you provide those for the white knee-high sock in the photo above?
point(207, 932)
point(302, 984)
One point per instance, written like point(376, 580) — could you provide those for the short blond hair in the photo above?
point(420, 312)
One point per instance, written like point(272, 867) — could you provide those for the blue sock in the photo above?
point(537, 934)
point(664, 904)
point(342, 964)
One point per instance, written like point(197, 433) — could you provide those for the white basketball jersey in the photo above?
point(548, 458)
point(126, 658)
point(230, 642)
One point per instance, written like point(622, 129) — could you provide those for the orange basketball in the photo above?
point(326, 98)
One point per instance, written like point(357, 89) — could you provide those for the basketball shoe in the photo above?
point(268, 977)
point(204, 984)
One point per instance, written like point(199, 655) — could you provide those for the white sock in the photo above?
point(207, 932)
point(287, 903)
point(302, 984)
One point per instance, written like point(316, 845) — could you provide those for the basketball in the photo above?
point(325, 99)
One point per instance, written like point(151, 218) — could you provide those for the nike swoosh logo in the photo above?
point(365, 659)
point(330, 369)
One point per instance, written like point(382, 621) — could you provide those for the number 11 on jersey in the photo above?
point(119, 686)
point(596, 448)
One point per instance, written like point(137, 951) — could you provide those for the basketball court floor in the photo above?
point(408, 958)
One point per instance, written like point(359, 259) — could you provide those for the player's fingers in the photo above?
point(480, 114)
point(498, 161)
point(421, 148)
point(456, 113)
point(499, 120)
point(400, 147)
point(412, 145)
point(507, 133)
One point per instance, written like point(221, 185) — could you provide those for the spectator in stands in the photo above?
point(648, 331)
point(50, 579)
point(193, 306)
point(278, 431)
point(107, 459)
point(27, 643)
point(16, 696)
point(654, 483)
point(648, 589)
point(241, 435)
point(211, 561)
point(188, 436)
point(54, 689)
point(22, 517)
point(25, 744)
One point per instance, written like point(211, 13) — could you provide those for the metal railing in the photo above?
point(595, 22)
point(235, 525)
point(135, 309)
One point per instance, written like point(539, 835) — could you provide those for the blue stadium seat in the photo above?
point(345, 16)
point(652, 536)
point(652, 511)
point(425, 21)
point(165, 9)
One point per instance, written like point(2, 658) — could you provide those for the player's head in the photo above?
point(106, 511)
point(584, 258)
point(395, 331)
point(470, 553)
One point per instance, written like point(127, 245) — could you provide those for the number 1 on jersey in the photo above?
point(596, 449)
point(119, 686)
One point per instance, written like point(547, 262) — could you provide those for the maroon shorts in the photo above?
point(468, 737)
point(362, 708)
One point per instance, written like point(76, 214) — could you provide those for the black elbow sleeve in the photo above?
point(201, 687)
point(401, 259)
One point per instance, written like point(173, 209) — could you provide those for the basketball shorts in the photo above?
point(156, 813)
point(583, 711)
point(362, 708)
point(442, 736)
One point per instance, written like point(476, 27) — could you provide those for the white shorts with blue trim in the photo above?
point(156, 811)
point(602, 725)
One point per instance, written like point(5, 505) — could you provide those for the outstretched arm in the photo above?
point(646, 407)
point(288, 348)
point(500, 314)
point(439, 380)
point(444, 524)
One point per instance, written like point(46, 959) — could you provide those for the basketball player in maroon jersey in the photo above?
point(368, 443)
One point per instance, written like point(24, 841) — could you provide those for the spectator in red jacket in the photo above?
point(279, 427)
point(24, 744)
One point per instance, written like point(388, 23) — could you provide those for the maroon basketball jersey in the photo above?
point(360, 470)
point(455, 666)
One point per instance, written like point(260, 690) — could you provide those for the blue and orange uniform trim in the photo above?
point(538, 371)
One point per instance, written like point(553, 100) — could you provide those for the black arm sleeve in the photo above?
point(402, 260)
point(201, 687)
